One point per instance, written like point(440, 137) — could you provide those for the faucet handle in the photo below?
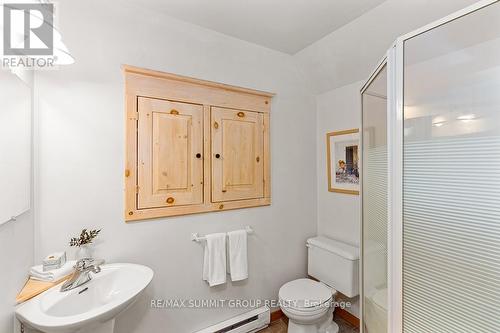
point(85, 263)
point(82, 263)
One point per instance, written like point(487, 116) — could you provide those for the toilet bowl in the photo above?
point(308, 306)
point(308, 303)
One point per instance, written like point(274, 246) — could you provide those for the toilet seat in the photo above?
point(307, 312)
point(305, 296)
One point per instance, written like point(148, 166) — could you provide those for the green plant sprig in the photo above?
point(86, 237)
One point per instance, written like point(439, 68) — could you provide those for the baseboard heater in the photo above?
point(249, 322)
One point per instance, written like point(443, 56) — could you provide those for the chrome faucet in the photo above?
point(81, 275)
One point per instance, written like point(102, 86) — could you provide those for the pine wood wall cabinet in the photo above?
point(193, 146)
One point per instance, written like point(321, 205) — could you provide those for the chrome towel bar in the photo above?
point(197, 238)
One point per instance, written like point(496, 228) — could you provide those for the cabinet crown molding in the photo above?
point(177, 77)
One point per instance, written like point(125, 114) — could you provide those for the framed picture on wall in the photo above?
point(343, 161)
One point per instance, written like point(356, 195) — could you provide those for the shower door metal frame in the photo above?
point(395, 132)
point(381, 65)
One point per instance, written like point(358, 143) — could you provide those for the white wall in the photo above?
point(338, 214)
point(80, 149)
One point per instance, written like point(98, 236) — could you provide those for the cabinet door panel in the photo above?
point(170, 144)
point(237, 149)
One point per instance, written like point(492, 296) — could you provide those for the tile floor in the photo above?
point(280, 326)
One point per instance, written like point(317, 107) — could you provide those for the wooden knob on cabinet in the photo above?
point(170, 200)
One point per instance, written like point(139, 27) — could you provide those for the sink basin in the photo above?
point(92, 306)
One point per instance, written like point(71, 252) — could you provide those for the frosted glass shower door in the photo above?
point(451, 177)
point(374, 204)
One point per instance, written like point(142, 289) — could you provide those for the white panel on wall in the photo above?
point(15, 146)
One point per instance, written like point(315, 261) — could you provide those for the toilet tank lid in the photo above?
point(344, 250)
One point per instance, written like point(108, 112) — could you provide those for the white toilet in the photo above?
point(307, 303)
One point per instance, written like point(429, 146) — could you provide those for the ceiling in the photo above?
point(351, 53)
point(284, 25)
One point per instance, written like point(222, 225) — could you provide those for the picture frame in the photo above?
point(343, 157)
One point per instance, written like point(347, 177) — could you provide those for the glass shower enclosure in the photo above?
point(431, 180)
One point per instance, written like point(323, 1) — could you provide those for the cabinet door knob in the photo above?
point(217, 155)
point(241, 114)
point(170, 200)
point(174, 111)
point(257, 159)
point(198, 155)
point(216, 125)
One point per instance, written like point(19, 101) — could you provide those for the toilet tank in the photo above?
point(335, 264)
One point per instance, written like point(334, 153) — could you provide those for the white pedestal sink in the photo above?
point(91, 307)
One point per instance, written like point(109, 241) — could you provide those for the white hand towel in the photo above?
point(214, 259)
point(238, 261)
point(37, 273)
